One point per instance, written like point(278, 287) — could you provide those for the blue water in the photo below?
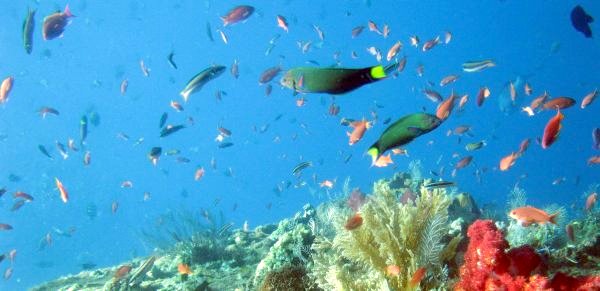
point(82, 71)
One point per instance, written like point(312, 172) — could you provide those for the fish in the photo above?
point(402, 132)
point(54, 24)
point(327, 184)
point(282, 23)
point(199, 173)
point(595, 160)
point(184, 269)
point(527, 89)
point(154, 155)
point(433, 95)
point(17, 205)
point(508, 161)
point(383, 161)
point(163, 119)
point(170, 129)
point(414, 41)
point(428, 45)
point(596, 138)
point(591, 201)
point(209, 32)
point(319, 32)
point(393, 51)
point(64, 195)
point(589, 98)
point(83, 129)
point(475, 145)
point(87, 158)
point(4, 226)
point(269, 74)
point(44, 151)
point(225, 145)
point(354, 222)
point(581, 21)
point(144, 68)
point(62, 150)
point(356, 31)
point(176, 105)
point(462, 163)
point(392, 270)
point(235, 72)
point(523, 146)
point(401, 64)
point(373, 27)
point(5, 88)
point(559, 102)
point(445, 107)
point(360, 127)
point(386, 31)
point(8, 273)
point(127, 184)
point(114, 207)
point(439, 184)
point(448, 79)
point(237, 14)
point(123, 87)
point(28, 26)
point(122, 271)
point(200, 79)
point(333, 80)
point(416, 278)
point(477, 66)
point(171, 61)
point(528, 215)
point(297, 170)
point(23, 195)
point(484, 93)
point(552, 130)
point(447, 37)
point(512, 90)
point(45, 110)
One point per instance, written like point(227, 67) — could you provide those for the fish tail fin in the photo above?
point(67, 11)
point(374, 153)
point(553, 218)
point(378, 72)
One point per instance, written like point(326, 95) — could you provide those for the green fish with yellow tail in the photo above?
point(402, 132)
point(333, 80)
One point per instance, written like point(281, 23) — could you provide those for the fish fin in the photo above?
point(415, 130)
point(378, 72)
point(553, 217)
point(67, 11)
point(374, 153)
point(589, 18)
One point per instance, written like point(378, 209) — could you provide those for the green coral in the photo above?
point(411, 236)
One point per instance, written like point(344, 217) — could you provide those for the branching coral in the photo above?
point(410, 236)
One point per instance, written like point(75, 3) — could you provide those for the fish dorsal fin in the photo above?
point(589, 18)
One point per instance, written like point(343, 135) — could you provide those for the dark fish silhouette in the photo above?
point(581, 21)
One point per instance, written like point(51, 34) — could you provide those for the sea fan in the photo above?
point(431, 245)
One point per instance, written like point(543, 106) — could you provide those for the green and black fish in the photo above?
point(402, 132)
point(28, 26)
point(200, 79)
point(439, 184)
point(333, 80)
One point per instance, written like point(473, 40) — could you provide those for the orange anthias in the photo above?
point(184, 269)
point(64, 195)
point(383, 161)
point(354, 222)
point(527, 215)
point(445, 108)
point(508, 161)
point(417, 277)
point(552, 130)
point(360, 127)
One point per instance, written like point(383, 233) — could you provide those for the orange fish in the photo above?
point(527, 215)
point(508, 161)
point(417, 277)
point(538, 101)
point(383, 161)
point(64, 195)
point(552, 130)
point(392, 270)
point(122, 271)
point(127, 184)
point(5, 88)
point(431, 43)
point(326, 183)
point(394, 50)
point(176, 105)
point(199, 173)
point(360, 127)
point(593, 160)
point(373, 27)
point(527, 89)
point(282, 22)
point(400, 151)
point(354, 222)
point(448, 79)
point(523, 146)
point(591, 201)
point(445, 108)
point(589, 98)
point(559, 102)
point(463, 102)
point(463, 162)
point(184, 269)
point(513, 92)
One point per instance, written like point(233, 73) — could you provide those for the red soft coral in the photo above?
point(488, 267)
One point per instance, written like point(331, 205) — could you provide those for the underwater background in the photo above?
point(80, 74)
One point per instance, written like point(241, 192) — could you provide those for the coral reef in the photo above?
point(489, 267)
point(409, 235)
